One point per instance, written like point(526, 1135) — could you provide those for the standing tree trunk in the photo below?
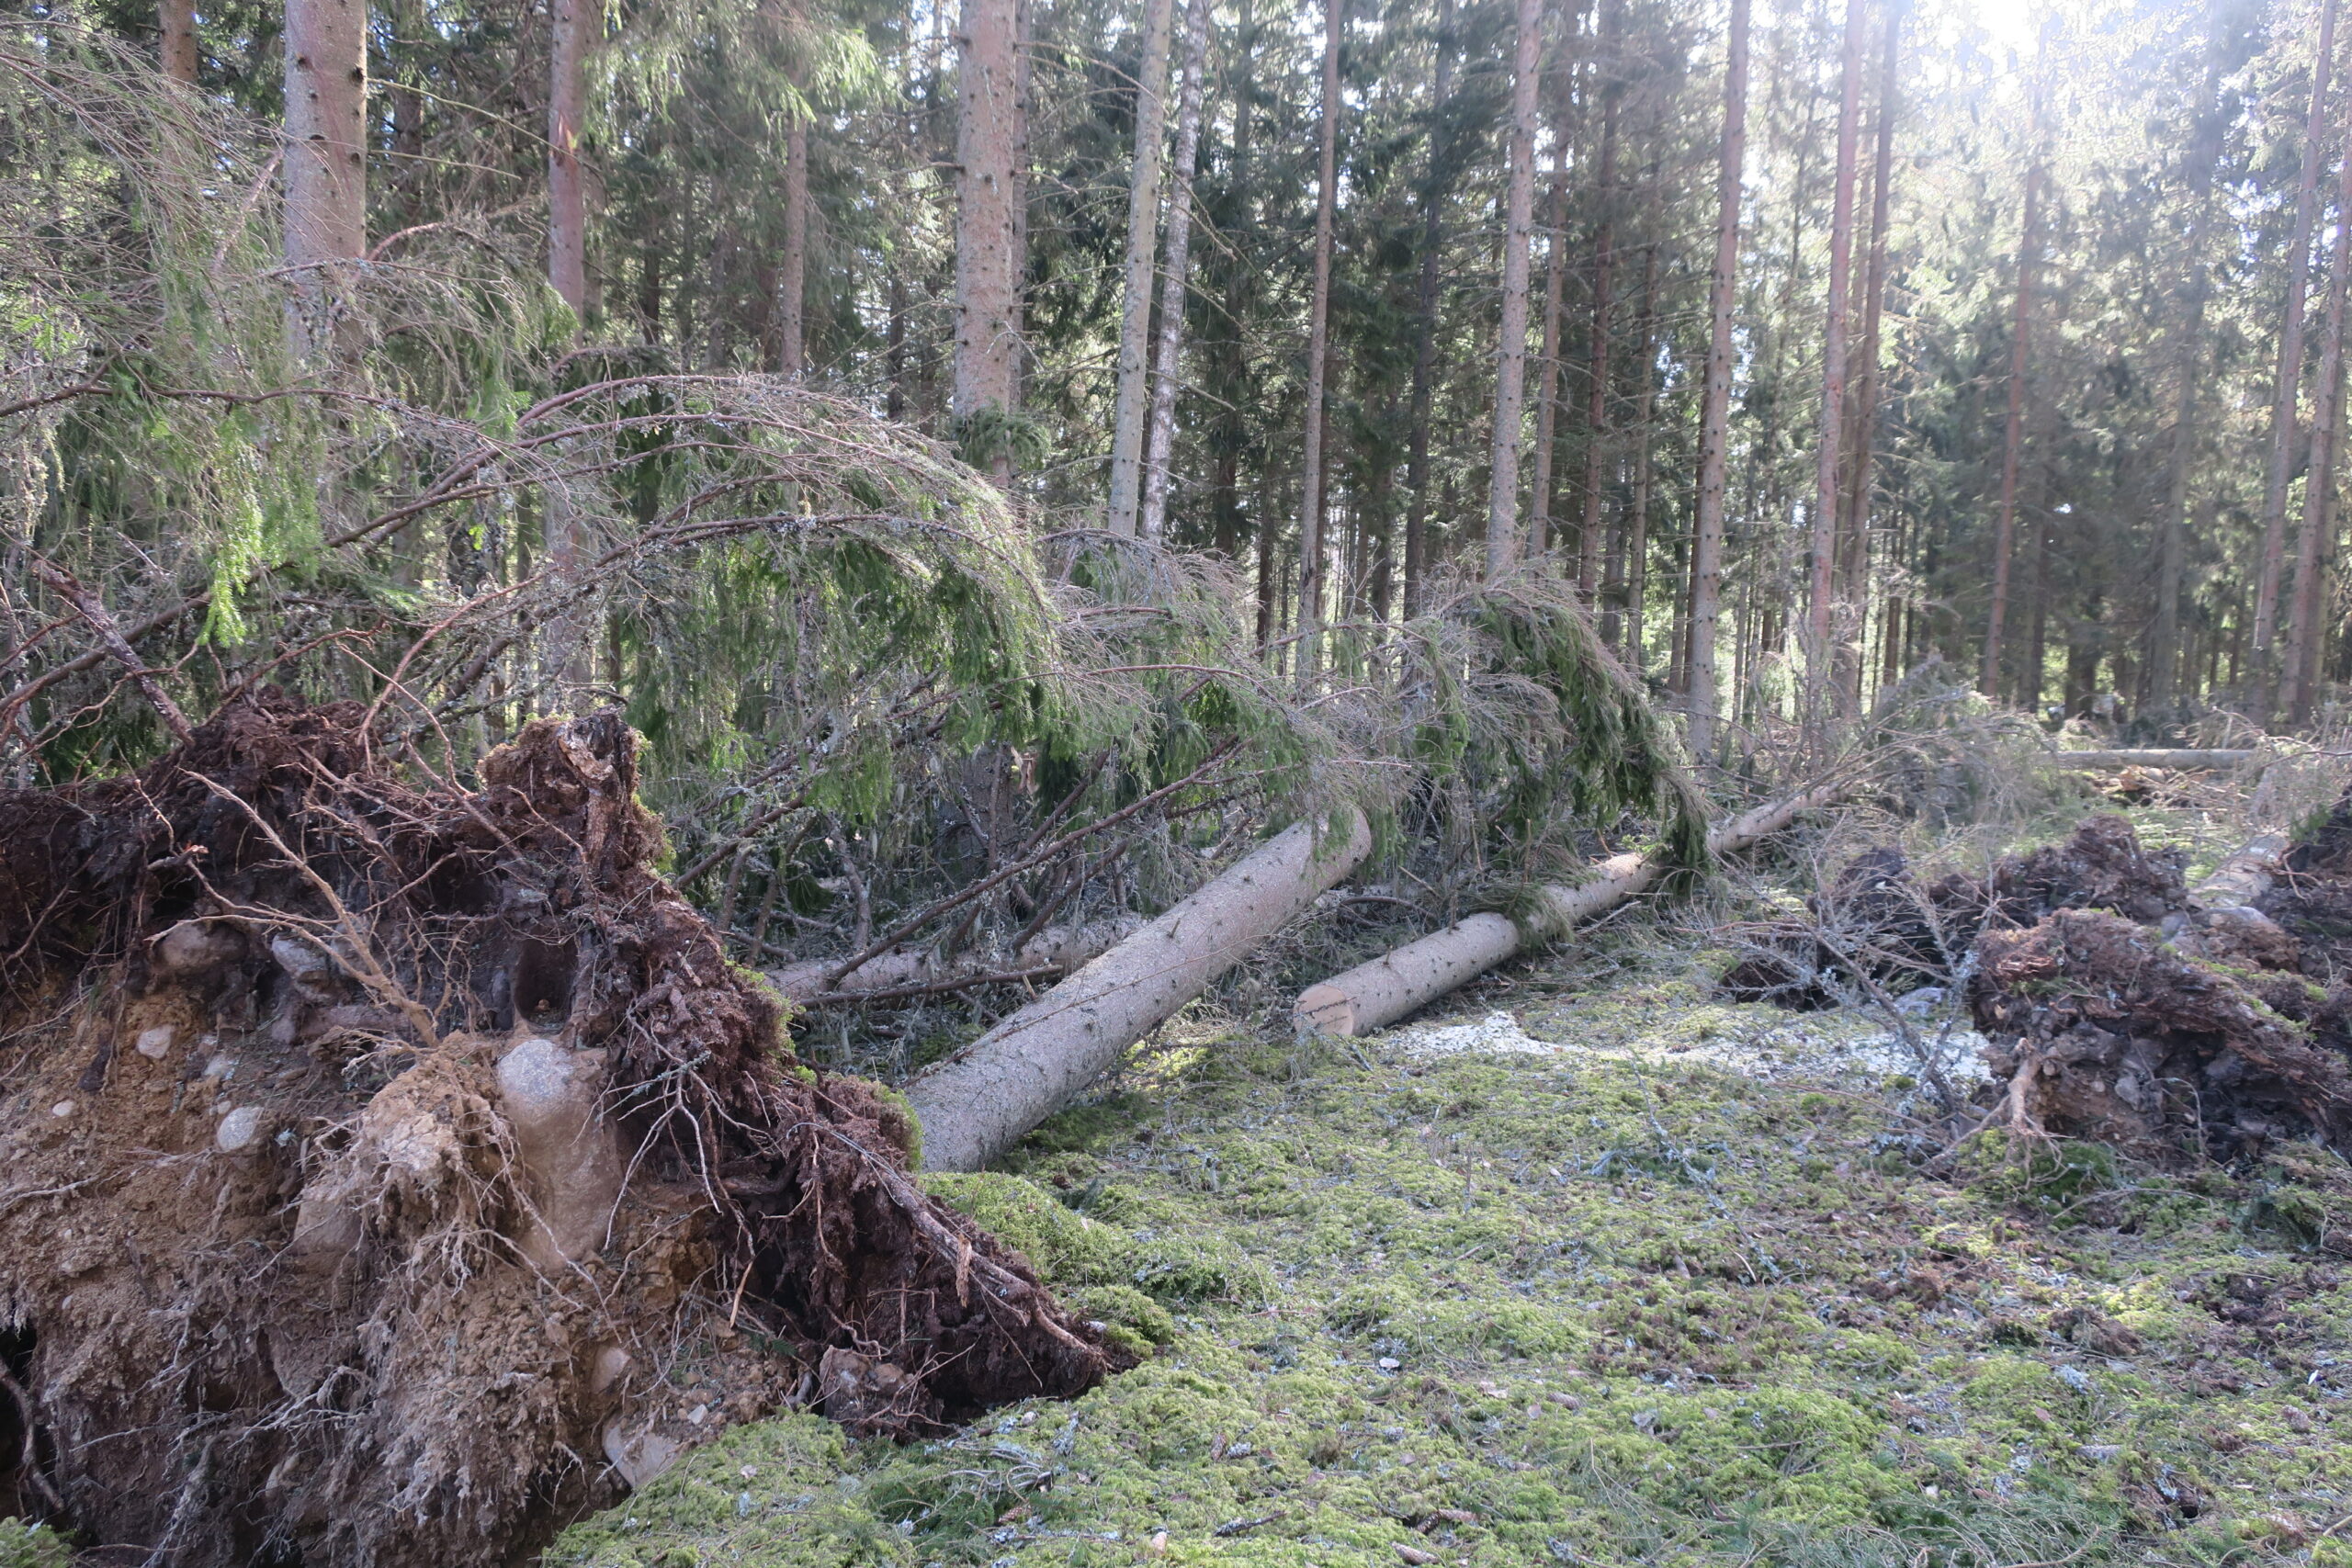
point(2164, 649)
point(1547, 369)
point(1143, 243)
point(1595, 412)
point(2013, 437)
point(176, 55)
point(567, 191)
point(2319, 479)
point(1635, 586)
point(1714, 399)
point(1318, 336)
point(1819, 646)
point(2289, 376)
point(326, 168)
point(792, 267)
point(1161, 444)
point(989, 129)
point(1417, 461)
point(1510, 359)
point(1863, 434)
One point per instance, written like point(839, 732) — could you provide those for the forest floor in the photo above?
point(1599, 1269)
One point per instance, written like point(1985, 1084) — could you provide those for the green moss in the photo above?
point(1071, 1248)
point(1605, 1308)
point(31, 1546)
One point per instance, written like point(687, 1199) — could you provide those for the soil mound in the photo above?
point(2104, 1030)
point(1877, 928)
point(376, 1154)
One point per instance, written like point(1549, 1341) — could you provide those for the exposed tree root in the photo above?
point(380, 1160)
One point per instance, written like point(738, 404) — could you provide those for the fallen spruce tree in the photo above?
point(373, 1151)
point(1375, 994)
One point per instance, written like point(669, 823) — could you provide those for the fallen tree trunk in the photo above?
point(979, 1103)
point(2243, 876)
point(911, 971)
point(1373, 995)
point(2178, 760)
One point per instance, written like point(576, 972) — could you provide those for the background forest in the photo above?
point(2074, 264)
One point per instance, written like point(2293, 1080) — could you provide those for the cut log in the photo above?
point(1056, 950)
point(979, 1103)
point(2243, 876)
point(1373, 995)
point(2178, 761)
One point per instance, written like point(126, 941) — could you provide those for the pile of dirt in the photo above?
point(2176, 1032)
point(2102, 1028)
point(382, 1157)
point(1877, 930)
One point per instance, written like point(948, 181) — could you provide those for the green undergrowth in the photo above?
point(1603, 1308)
point(31, 1546)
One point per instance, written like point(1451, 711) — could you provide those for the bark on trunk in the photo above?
point(979, 1103)
point(1547, 370)
point(1131, 404)
point(2172, 551)
point(1373, 995)
point(1819, 644)
point(2013, 437)
point(792, 264)
point(1057, 951)
point(1510, 358)
point(988, 260)
point(1635, 589)
point(1862, 435)
point(1319, 333)
point(2290, 375)
point(1417, 462)
point(1595, 411)
point(327, 170)
point(566, 193)
point(2319, 478)
point(1715, 401)
point(1160, 437)
point(2182, 761)
point(176, 53)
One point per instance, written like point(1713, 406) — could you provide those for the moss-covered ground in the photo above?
point(1621, 1305)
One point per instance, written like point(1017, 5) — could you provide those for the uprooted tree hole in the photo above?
point(384, 1158)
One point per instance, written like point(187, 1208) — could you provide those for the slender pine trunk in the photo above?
point(2013, 437)
point(1417, 461)
point(326, 167)
point(1547, 370)
point(1863, 420)
point(792, 263)
point(1636, 588)
point(1131, 405)
point(1597, 450)
point(2288, 386)
point(1714, 402)
point(176, 50)
point(986, 397)
point(1819, 644)
point(1318, 336)
point(2319, 479)
point(567, 191)
point(1510, 359)
point(2189, 348)
point(1160, 434)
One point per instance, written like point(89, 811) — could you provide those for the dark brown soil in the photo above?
point(2103, 1030)
point(1877, 929)
point(274, 1285)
